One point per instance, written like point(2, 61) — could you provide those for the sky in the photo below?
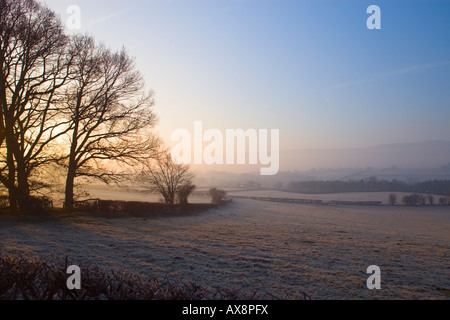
point(311, 69)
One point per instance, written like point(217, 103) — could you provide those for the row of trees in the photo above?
point(70, 102)
point(372, 184)
point(417, 200)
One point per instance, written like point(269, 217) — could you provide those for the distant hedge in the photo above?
point(114, 208)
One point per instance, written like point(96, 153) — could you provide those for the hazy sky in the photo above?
point(309, 68)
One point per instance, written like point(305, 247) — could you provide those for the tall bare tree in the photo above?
point(110, 112)
point(34, 66)
point(172, 180)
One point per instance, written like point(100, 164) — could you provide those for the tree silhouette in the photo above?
point(110, 114)
point(217, 195)
point(34, 64)
point(65, 100)
point(170, 179)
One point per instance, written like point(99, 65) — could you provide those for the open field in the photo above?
point(271, 247)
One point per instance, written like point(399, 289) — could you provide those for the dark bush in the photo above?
point(414, 200)
point(217, 195)
point(184, 192)
point(112, 208)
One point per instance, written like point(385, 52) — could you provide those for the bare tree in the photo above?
point(34, 66)
point(50, 88)
point(392, 199)
point(111, 115)
point(170, 179)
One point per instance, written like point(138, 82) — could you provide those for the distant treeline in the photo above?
point(438, 187)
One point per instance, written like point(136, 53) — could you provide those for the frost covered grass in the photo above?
point(25, 279)
point(279, 248)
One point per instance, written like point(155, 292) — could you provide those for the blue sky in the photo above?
point(309, 68)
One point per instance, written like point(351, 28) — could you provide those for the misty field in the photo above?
point(259, 246)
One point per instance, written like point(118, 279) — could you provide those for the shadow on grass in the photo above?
point(113, 209)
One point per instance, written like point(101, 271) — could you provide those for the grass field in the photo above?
point(269, 247)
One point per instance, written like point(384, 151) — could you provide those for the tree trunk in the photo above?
point(12, 201)
point(18, 174)
point(71, 173)
point(12, 192)
point(18, 185)
point(70, 184)
point(73, 165)
point(23, 188)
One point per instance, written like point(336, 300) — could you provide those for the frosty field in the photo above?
point(270, 247)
